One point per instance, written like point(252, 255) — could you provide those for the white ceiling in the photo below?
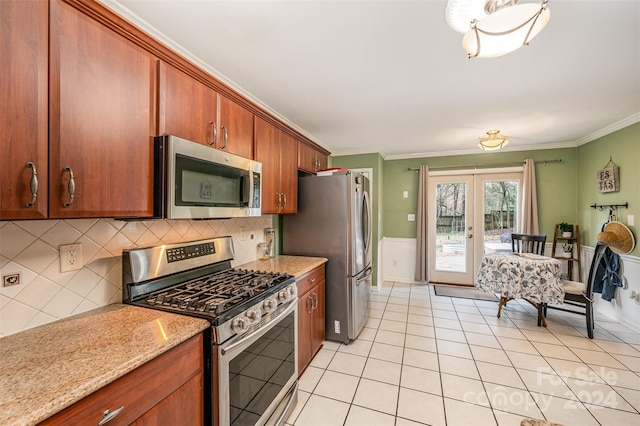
point(391, 77)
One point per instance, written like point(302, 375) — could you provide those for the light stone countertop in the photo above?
point(292, 265)
point(46, 369)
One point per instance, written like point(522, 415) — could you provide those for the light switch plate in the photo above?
point(631, 220)
point(405, 194)
point(411, 217)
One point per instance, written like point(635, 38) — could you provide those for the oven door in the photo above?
point(257, 373)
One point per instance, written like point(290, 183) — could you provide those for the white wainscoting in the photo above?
point(622, 307)
point(397, 257)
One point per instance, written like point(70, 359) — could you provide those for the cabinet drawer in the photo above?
point(141, 389)
point(308, 280)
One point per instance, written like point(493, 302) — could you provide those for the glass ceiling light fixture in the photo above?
point(493, 142)
point(497, 28)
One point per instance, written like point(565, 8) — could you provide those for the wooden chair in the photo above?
point(523, 243)
point(581, 294)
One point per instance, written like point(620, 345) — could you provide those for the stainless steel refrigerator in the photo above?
point(334, 221)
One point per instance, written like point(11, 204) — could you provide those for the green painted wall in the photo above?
point(377, 164)
point(556, 184)
point(623, 147)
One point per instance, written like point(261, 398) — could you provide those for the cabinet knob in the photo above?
point(110, 415)
point(33, 184)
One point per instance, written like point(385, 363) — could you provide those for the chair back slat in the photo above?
point(523, 243)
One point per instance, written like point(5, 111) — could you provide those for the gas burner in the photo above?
point(217, 293)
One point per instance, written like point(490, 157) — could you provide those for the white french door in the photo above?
point(468, 214)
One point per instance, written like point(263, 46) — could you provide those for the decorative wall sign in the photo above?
point(609, 178)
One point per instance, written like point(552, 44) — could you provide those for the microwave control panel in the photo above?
point(188, 252)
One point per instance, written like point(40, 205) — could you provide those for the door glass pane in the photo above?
point(500, 214)
point(451, 222)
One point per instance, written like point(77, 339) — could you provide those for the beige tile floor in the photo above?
point(434, 360)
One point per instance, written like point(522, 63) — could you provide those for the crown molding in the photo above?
point(609, 129)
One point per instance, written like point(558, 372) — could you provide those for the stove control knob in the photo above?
point(254, 315)
point(240, 325)
point(293, 291)
point(269, 305)
point(284, 296)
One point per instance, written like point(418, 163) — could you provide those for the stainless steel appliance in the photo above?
point(193, 181)
point(251, 348)
point(334, 221)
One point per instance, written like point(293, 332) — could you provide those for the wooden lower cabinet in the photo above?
point(311, 316)
point(167, 390)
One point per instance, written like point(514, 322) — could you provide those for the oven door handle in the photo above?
point(250, 336)
point(291, 398)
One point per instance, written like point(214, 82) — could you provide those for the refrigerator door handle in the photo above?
point(365, 275)
point(367, 206)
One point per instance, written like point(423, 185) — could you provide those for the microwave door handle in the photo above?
point(245, 188)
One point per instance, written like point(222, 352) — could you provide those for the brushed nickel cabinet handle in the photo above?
point(225, 137)
point(312, 280)
point(33, 184)
point(284, 196)
point(314, 301)
point(110, 415)
point(71, 186)
point(279, 206)
point(214, 133)
point(309, 304)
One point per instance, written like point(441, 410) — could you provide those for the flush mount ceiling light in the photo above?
point(493, 141)
point(494, 28)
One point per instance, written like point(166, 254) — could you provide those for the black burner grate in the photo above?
point(217, 293)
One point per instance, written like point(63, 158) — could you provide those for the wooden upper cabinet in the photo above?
point(288, 173)
point(101, 118)
point(268, 153)
point(277, 151)
point(236, 128)
point(310, 159)
point(23, 109)
point(186, 108)
point(192, 110)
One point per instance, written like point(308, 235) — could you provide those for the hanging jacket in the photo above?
point(607, 277)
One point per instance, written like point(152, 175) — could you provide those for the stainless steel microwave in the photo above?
point(194, 181)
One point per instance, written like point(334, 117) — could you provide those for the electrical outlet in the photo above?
point(70, 257)
point(11, 279)
point(411, 217)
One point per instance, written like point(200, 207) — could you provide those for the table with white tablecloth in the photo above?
point(528, 276)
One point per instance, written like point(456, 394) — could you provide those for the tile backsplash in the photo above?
point(31, 248)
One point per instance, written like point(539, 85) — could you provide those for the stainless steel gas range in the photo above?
point(250, 349)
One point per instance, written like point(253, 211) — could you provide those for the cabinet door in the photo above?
point(182, 407)
point(186, 107)
point(306, 158)
point(268, 153)
point(304, 331)
point(322, 160)
point(289, 173)
point(318, 318)
point(236, 128)
point(23, 108)
point(102, 119)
